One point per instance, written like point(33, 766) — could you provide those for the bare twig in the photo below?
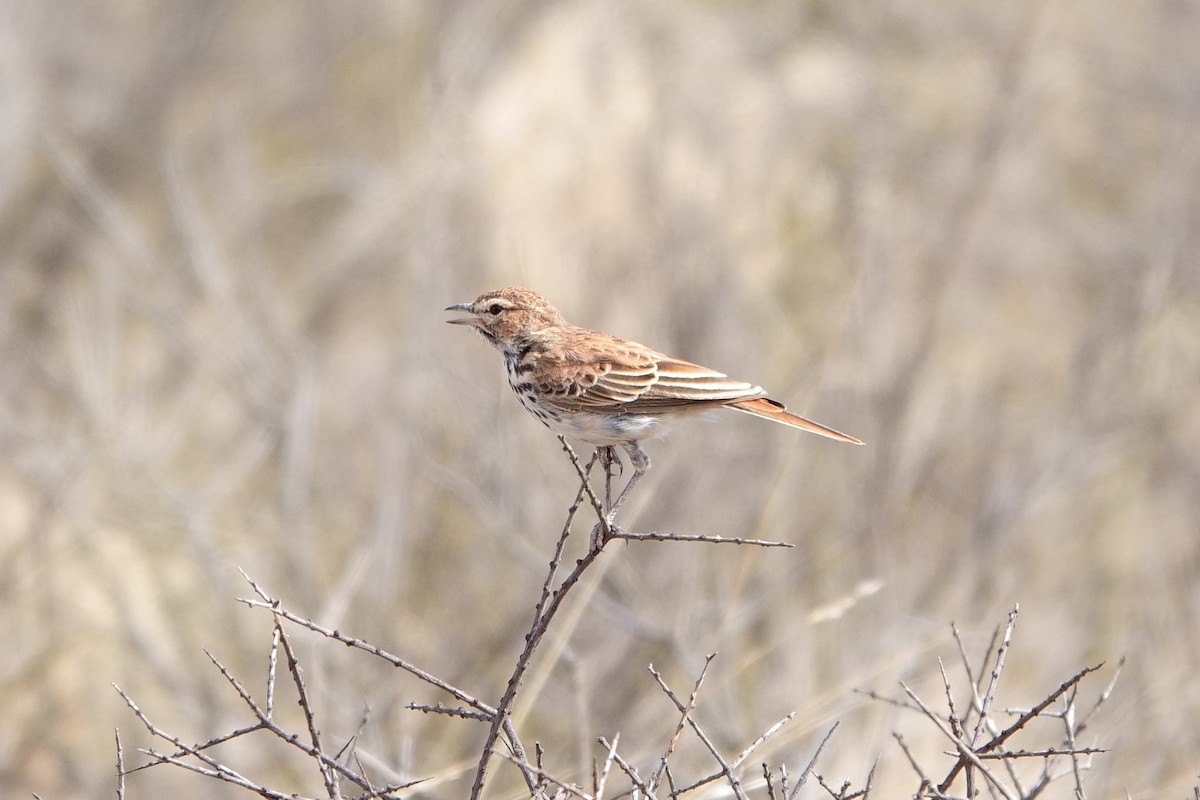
point(120, 765)
point(1001, 652)
point(656, 536)
point(974, 754)
point(350, 748)
point(842, 792)
point(220, 772)
point(1044, 753)
point(542, 775)
point(182, 747)
point(1104, 695)
point(265, 723)
point(726, 769)
point(608, 762)
point(953, 717)
point(769, 780)
point(586, 485)
point(891, 701)
point(438, 708)
point(272, 665)
point(241, 690)
point(656, 776)
point(767, 734)
point(215, 769)
point(544, 614)
point(967, 753)
point(328, 776)
point(925, 781)
point(629, 770)
point(275, 607)
point(812, 763)
point(1038, 709)
point(966, 662)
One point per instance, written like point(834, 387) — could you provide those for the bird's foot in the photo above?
point(602, 532)
point(609, 459)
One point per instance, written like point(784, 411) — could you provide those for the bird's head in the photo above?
point(509, 317)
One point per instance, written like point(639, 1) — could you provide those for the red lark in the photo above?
point(604, 390)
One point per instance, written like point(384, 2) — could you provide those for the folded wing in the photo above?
point(613, 376)
point(619, 377)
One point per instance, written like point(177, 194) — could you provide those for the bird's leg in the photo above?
point(641, 463)
point(608, 459)
point(607, 454)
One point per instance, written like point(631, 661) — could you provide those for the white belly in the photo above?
point(597, 429)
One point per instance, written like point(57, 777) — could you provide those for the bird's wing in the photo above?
point(606, 375)
point(612, 376)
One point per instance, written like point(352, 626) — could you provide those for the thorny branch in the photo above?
point(964, 727)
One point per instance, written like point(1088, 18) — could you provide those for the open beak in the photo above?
point(471, 320)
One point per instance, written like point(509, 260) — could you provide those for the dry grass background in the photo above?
point(963, 231)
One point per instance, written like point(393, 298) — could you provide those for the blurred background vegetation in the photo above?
point(965, 232)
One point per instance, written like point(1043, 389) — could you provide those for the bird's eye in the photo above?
point(495, 308)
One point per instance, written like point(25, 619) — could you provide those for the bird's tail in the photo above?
point(774, 411)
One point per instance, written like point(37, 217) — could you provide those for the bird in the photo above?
point(604, 390)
